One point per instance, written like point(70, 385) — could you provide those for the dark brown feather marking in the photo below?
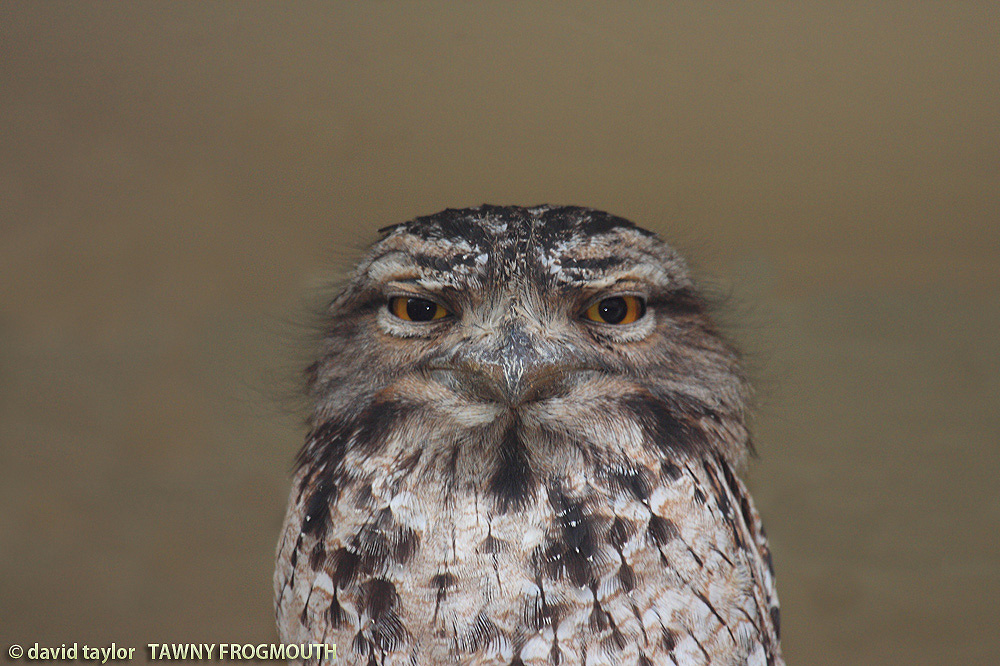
point(492, 545)
point(664, 424)
point(539, 612)
point(482, 634)
point(441, 582)
point(512, 483)
point(721, 497)
point(379, 599)
point(317, 513)
point(318, 557)
point(669, 471)
point(572, 552)
point(630, 480)
point(661, 530)
point(345, 565)
point(620, 532)
point(626, 576)
point(375, 422)
point(336, 613)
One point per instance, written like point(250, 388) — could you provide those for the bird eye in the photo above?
point(410, 308)
point(616, 310)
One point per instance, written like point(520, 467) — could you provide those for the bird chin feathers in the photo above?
point(463, 445)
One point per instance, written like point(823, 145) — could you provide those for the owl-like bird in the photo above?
point(522, 452)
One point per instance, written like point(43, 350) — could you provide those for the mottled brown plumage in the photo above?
point(495, 474)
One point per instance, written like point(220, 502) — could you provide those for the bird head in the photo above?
point(552, 327)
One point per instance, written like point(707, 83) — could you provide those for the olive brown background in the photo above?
point(179, 180)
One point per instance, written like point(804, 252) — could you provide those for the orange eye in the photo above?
point(616, 310)
point(410, 308)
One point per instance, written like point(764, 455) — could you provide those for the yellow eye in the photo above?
point(416, 309)
point(616, 310)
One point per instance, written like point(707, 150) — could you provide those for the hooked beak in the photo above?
point(514, 371)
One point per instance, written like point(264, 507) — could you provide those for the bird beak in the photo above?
point(515, 370)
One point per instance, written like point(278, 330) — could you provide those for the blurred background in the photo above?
point(178, 181)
